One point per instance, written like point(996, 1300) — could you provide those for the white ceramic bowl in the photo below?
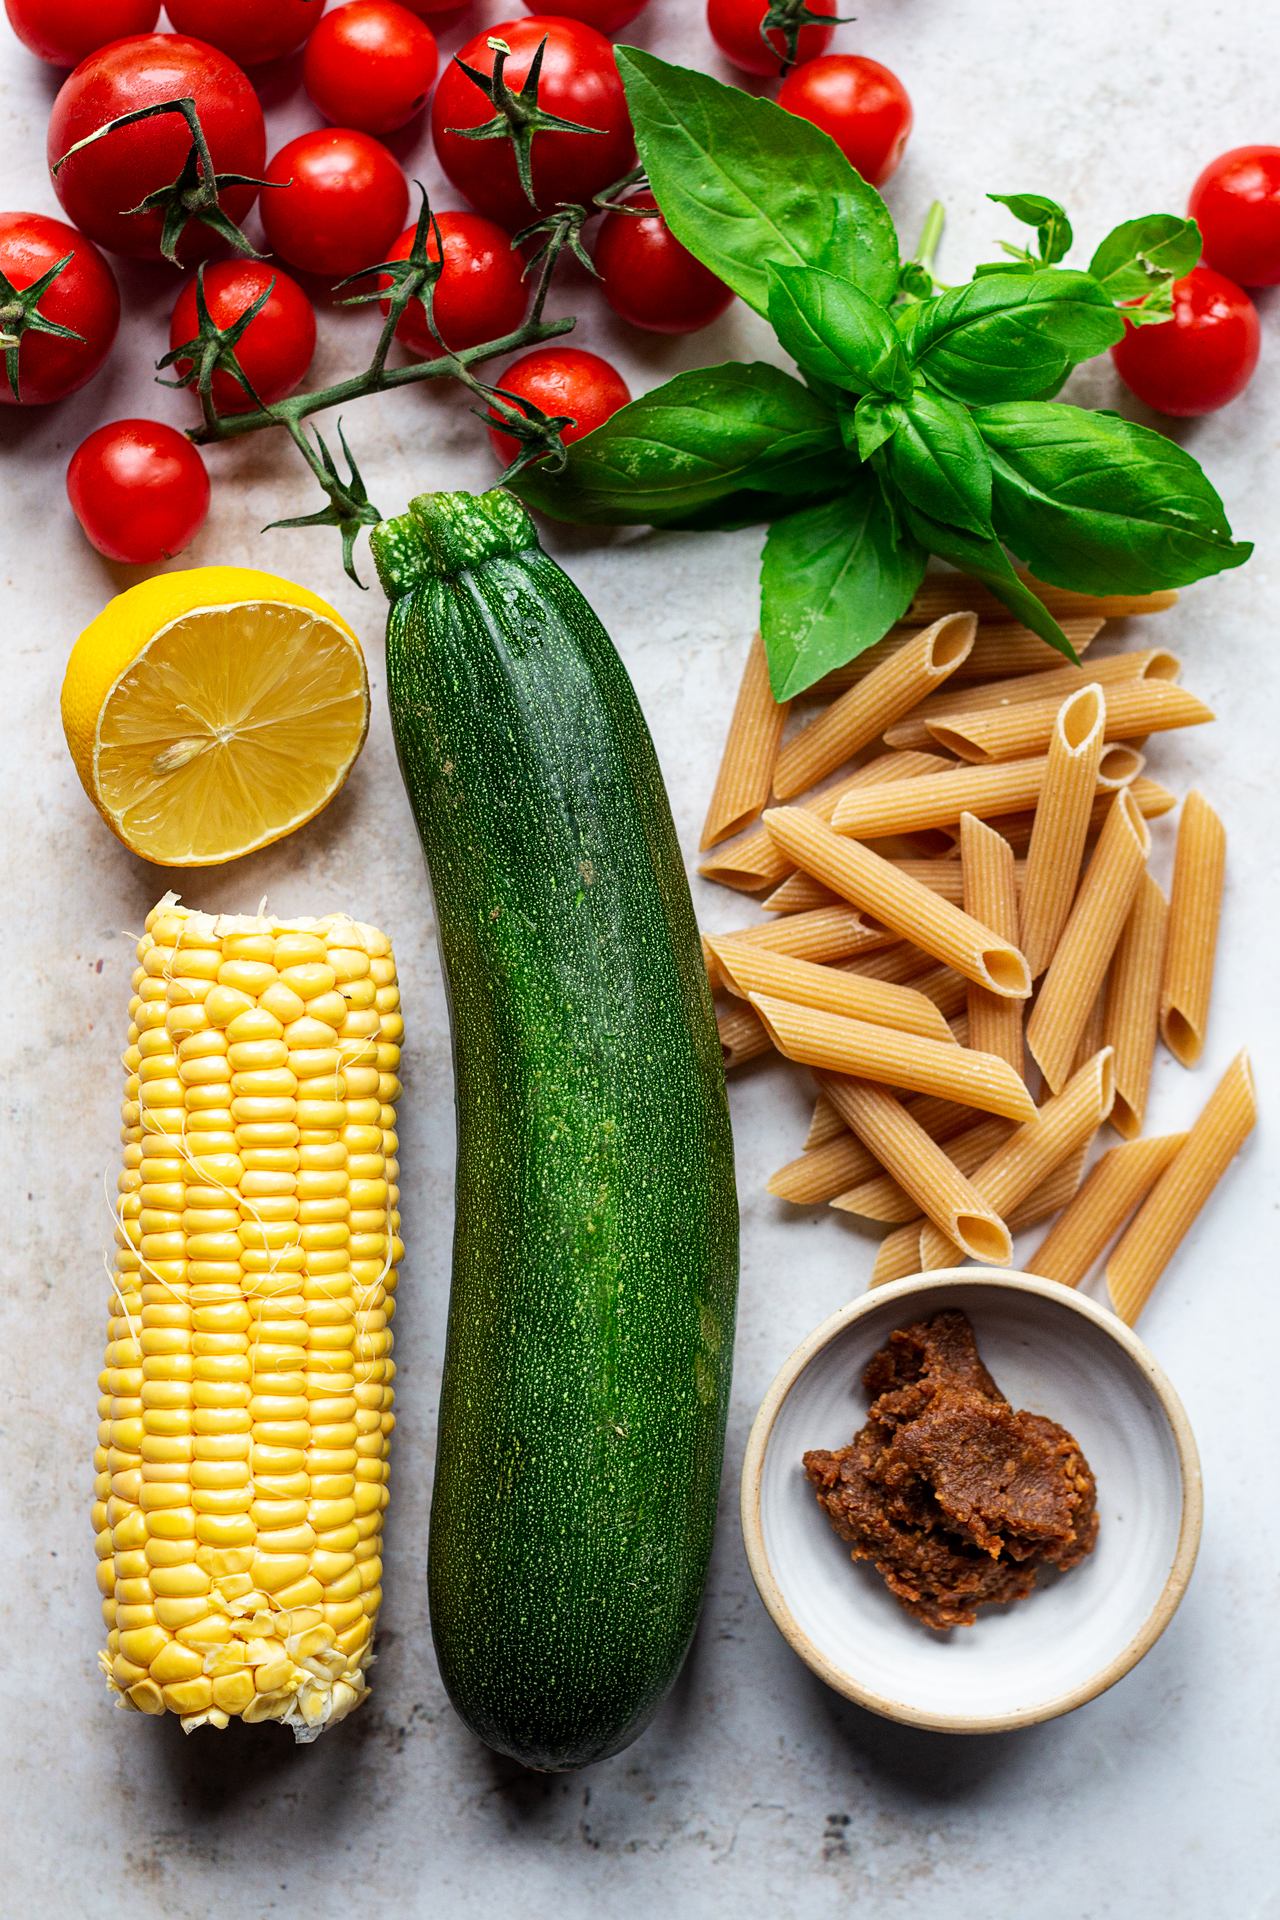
point(1053, 1352)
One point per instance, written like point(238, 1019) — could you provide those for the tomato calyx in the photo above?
point(20, 313)
point(787, 17)
point(193, 195)
point(349, 508)
point(213, 349)
point(518, 116)
point(563, 228)
point(413, 278)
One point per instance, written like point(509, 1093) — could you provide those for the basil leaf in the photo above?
point(1010, 336)
point(1049, 220)
point(741, 182)
point(836, 332)
point(874, 422)
point(1097, 503)
point(705, 435)
point(1140, 255)
point(937, 459)
point(833, 580)
point(987, 561)
point(734, 510)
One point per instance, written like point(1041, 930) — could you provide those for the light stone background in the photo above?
point(757, 1790)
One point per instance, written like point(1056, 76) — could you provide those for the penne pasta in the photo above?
point(827, 934)
point(920, 1167)
point(825, 1125)
point(948, 990)
point(1011, 733)
point(1174, 1202)
point(1057, 1190)
point(1151, 799)
point(799, 893)
point(898, 1256)
point(1118, 1183)
point(1195, 906)
point(862, 714)
point(743, 1036)
point(939, 593)
point(880, 1197)
point(990, 895)
point(747, 970)
point(913, 731)
point(877, 886)
point(1065, 1123)
point(942, 877)
point(1088, 941)
point(1093, 1035)
point(896, 1059)
point(1061, 823)
point(746, 766)
point(1133, 996)
point(825, 1171)
point(1000, 648)
point(938, 799)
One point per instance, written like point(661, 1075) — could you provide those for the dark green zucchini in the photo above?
point(595, 1265)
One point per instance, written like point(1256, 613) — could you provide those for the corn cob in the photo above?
point(245, 1410)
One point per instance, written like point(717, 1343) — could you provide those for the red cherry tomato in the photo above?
point(370, 64)
point(735, 27)
point(438, 9)
point(562, 380)
point(340, 202)
point(1236, 204)
point(251, 31)
point(650, 279)
point(480, 295)
point(275, 348)
point(65, 32)
point(1203, 357)
point(579, 82)
point(139, 490)
point(606, 16)
point(859, 103)
point(83, 297)
point(98, 186)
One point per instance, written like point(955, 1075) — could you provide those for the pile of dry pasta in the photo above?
point(983, 852)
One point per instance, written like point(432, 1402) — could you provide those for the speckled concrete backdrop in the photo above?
point(757, 1790)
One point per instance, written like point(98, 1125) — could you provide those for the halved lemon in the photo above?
point(213, 711)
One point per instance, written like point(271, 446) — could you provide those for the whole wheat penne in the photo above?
point(942, 877)
point(1000, 648)
point(1065, 1122)
point(1088, 941)
point(1093, 1034)
point(1011, 733)
point(747, 970)
point(1182, 1190)
point(939, 593)
point(1061, 823)
point(863, 713)
point(938, 799)
point(898, 1255)
point(1058, 1189)
point(743, 1035)
point(827, 934)
point(799, 893)
point(1199, 867)
point(824, 1171)
point(922, 1168)
point(899, 963)
point(879, 888)
point(880, 1197)
point(825, 1125)
point(1150, 797)
point(960, 1029)
point(756, 860)
point(896, 1059)
point(746, 766)
point(990, 895)
point(1116, 1185)
point(948, 990)
point(1133, 995)
point(1155, 663)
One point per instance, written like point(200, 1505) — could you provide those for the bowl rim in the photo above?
point(1188, 1536)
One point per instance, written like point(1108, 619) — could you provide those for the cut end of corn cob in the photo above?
point(245, 1410)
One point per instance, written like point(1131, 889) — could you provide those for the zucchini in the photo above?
point(591, 1316)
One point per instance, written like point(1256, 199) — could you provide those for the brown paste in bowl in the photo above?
point(954, 1497)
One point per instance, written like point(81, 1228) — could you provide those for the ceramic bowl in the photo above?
point(1052, 1352)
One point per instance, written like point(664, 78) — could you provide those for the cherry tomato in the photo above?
point(1203, 357)
point(98, 186)
point(340, 202)
point(859, 103)
point(275, 348)
point(1236, 204)
point(735, 27)
point(480, 295)
point(650, 279)
point(65, 32)
point(579, 82)
point(139, 490)
point(371, 65)
point(606, 16)
point(251, 31)
point(83, 297)
point(438, 9)
point(562, 380)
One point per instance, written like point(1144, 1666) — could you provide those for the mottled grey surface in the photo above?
point(757, 1790)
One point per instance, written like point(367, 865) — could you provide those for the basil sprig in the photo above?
point(926, 420)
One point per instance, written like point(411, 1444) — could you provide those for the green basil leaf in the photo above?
point(734, 510)
point(874, 422)
point(1142, 255)
point(836, 332)
point(705, 435)
point(987, 561)
point(741, 182)
point(1046, 216)
point(1097, 503)
point(1011, 336)
point(937, 459)
point(833, 580)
